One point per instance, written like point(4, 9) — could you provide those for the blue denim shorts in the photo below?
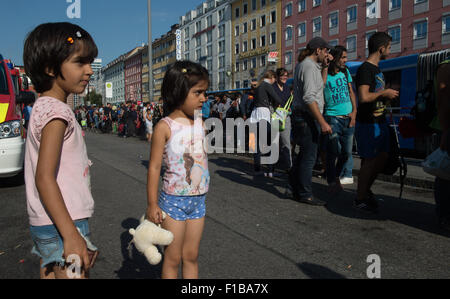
point(48, 243)
point(182, 208)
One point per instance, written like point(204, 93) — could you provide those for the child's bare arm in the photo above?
point(159, 139)
point(49, 157)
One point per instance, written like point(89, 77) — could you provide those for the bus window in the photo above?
point(15, 84)
point(3, 81)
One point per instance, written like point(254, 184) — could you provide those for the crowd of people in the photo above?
point(126, 120)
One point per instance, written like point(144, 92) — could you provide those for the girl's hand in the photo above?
point(154, 214)
point(76, 245)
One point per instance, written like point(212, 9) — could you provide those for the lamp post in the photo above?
point(150, 53)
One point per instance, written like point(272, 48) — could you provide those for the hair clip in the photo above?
point(184, 71)
point(79, 34)
point(70, 40)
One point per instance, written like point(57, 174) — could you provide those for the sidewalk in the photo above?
point(415, 177)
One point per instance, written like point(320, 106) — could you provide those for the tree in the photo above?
point(94, 98)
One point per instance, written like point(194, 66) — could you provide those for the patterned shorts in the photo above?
point(182, 208)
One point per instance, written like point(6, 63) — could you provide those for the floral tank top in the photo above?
point(185, 160)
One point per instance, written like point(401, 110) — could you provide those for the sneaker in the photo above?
point(372, 201)
point(313, 201)
point(347, 181)
point(270, 175)
point(364, 206)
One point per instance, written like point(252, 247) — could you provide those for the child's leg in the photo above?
point(191, 245)
point(173, 252)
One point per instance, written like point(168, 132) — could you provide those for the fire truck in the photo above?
point(14, 95)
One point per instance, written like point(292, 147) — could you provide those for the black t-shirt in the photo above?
point(374, 112)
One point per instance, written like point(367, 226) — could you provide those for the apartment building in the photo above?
point(256, 33)
point(113, 73)
point(133, 75)
point(206, 36)
point(417, 26)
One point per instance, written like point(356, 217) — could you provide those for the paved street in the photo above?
point(252, 229)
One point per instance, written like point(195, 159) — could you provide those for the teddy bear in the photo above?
point(147, 235)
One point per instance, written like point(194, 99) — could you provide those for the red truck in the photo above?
point(12, 137)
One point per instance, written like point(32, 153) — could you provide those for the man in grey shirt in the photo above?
point(308, 122)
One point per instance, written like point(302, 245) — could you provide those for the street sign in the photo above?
point(109, 90)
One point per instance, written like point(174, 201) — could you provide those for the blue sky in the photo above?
point(116, 25)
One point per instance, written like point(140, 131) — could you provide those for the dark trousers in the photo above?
point(306, 135)
point(442, 197)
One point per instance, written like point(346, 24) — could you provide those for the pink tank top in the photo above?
point(185, 159)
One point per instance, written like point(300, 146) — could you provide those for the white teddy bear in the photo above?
point(147, 235)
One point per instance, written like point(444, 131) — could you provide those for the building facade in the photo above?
point(256, 33)
point(114, 73)
point(164, 56)
point(417, 26)
point(133, 75)
point(206, 36)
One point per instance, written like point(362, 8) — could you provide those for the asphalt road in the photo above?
point(253, 231)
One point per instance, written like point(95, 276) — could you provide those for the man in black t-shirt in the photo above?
point(372, 130)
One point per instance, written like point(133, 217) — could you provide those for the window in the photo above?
point(253, 44)
point(262, 21)
point(301, 29)
point(237, 66)
point(222, 46)
point(263, 60)
point(334, 19)
point(198, 26)
point(221, 31)
point(209, 50)
point(288, 33)
point(317, 2)
point(244, 47)
point(263, 3)
point(351, 14)
point(253, 4)
point(198, 54)
point(262, 41)
point(198, 41)
point(245, 65)
point(245, 29)
point(317, 24)
point(395, 4)
point(273, 38)
point(253, 25)
point(301, 5)
point(236, 30)
point(253, 62)
point(420, 29)
point(288, 10)
point(237, 13)
point(209, 37)
point(446, 24)
point(209, 21)
point(273, 16)
point(288, 58)
point(245, 8)
point(237, 47)
point(368, 36)
point(395, 32)
point(221, 62)
point(351, 44)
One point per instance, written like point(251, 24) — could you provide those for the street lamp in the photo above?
point(150, 54)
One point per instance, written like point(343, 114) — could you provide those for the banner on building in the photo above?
point(179, 46)
point(373, 8)
point(109, 90)
point(273, 57)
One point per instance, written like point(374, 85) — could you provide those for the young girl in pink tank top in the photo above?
point(57, 58)
point(178, 141)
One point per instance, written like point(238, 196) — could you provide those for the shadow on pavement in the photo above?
point(319, 272)
point(417, 214)
point(135, 265)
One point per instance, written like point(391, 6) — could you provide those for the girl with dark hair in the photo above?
point(178, 141)
point(58, 59)
point(340, 113)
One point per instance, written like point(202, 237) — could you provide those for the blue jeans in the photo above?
point(339, 146)
point(442, 197)
point(307, 135)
